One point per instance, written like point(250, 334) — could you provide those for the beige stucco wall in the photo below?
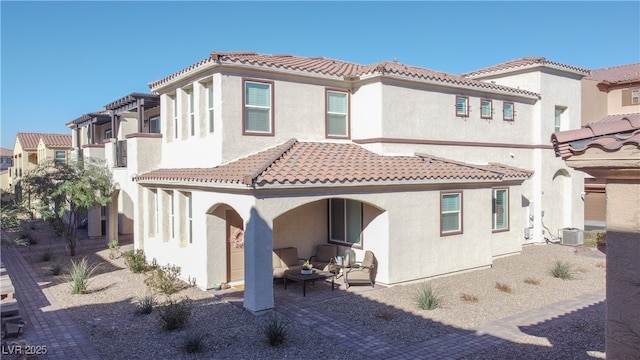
point(594, 102)
point(614, 101)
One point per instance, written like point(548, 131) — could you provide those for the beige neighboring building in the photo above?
point(6, 161)
point(606, 93)
point(610, 150)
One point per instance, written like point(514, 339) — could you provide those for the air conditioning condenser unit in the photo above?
point(571, 236)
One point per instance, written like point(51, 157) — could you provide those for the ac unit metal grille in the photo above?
point(573, 237)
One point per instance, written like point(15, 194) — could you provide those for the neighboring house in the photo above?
point(104, 135)
point(435, 173)
point(30, 149)
point(606, 93)
point(610, 150)
point(6, 161)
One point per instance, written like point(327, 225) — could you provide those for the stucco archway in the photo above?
point(225, 260)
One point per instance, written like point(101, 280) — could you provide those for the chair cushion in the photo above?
point(289, 256)
point(324, 253)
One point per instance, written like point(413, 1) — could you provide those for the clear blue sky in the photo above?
point(60, 60)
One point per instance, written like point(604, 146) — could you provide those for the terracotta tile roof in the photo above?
point(617, 74)
point(333, 67)
point(611, 133)
point(524, 63)
point(30, 141)
point(6, 152)
point(296, 162)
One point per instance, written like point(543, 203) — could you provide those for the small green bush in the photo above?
point(114, 247)
point(595, 238)
point(164, 279)
point(562, 270)
point(276, 330)
point(193, 342)
point(80, 274)
point(47, 255)
point(135, 260)
point(175, 314)
point(57, 269)
point(428, 299)
point(145, 304)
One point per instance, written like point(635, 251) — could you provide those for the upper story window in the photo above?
point(507, 111)
point(210, 105)
point(462, 106)
point(192, 115)
point(154, 124)
point(337, 120)
point(450, 213)
point(500, 209)
point(557, 123)
point(486, 109)
point(108, 134)
point(61, 157)
point(258, 108)
point(635, 96)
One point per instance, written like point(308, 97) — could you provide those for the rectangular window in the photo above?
point(462, 106)
point(154, 125)
point(173, 215)
point(635, 96)
point(500, 209)
point(210, 105)
point(486, 110)
point(61, 157)
point(190, 216)
point(175, 116)
point(450, 213)
point(258, 110)
point(507, 111)
point(108, 134)
point(558, 119)
point(192, 115)
point(337, 114)
point(345, 221)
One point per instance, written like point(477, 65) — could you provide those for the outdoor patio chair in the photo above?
point(362, 272)
point(325, 257)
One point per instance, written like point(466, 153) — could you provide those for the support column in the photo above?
point(94, 223)
point(623, 270)
point(112, 218)
point(258, 270)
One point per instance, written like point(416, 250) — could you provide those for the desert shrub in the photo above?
point(193, 342)
point(145, 304)
point(595, 238)
point(469, 298)
point(504, 288)
point(427, 298)
point(562, 270)
point(57, 269)
point(80, 274)
point(114, 247)
point(164, 279)
point(175, 314)
point(135, 260)
point(276, 330)
point(9, 218)
point(47, 255)
point(532, 281)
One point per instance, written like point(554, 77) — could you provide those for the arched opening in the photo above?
point(225, 247)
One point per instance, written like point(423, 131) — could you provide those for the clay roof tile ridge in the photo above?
point(248, 179)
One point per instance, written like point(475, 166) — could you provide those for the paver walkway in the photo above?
point(48, 325)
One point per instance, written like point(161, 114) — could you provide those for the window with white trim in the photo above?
point(486, 109)
point(192, 115)
point(507, 111)
point(500, 209)
point(450, 213)
point(345, 221)
point(635, 96)
point(154, 124)
point(61, 157)
point(557, 123)
point(337, 114)
point(258, 108)
point(462, 106)
point(209, 87)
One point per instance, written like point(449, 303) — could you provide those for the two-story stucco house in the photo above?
point(6, 161)
point(608, 95)
point(434, 173)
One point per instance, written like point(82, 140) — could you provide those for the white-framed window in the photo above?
point(486, 109)
point(337, 123)
point(557, 122)
point(174, 101)
point(500, 209)
point(507, 111)
point(345, 221)
point(192, 114)
point(462, 106)
point(190, 216)
point(258, 109)
point(108, 134)
point(61, 157)
point(209, 88)
point(635, 96)
point(172, 219)
point(154, 124)
point(450, 213)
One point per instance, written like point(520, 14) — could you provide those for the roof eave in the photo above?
point(481, 75)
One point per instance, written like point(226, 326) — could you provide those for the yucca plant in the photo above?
point(145, 304)
point(193, 342)
point(175, 314)
point(80, 274)
point(562, 270)
point(276, 330)
point(428, 299)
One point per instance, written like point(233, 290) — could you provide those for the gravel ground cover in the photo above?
point(107, 314)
